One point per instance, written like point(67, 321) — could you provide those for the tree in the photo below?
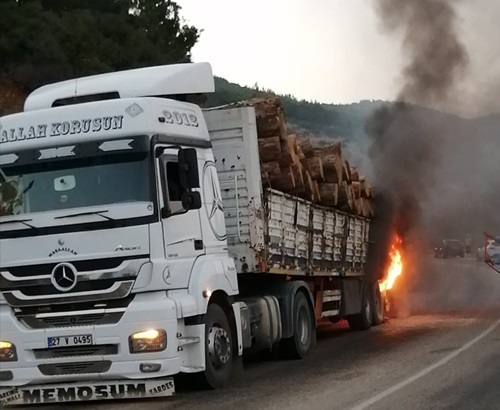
point(44, 41)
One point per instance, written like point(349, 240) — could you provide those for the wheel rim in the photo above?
point(219, 346)
point(303, 325)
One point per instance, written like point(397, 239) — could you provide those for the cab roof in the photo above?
point(165, 80)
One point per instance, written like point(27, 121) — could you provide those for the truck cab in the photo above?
point(114, 270)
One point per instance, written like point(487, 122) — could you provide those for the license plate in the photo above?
point(64, 341)
point(86, 391)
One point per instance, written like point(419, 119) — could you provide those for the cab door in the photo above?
point(182, 234)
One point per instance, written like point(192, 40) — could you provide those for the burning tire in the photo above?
point(396, 306)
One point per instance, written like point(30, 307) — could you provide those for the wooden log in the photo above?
point(270, 170)
point(345, 200)
point(283, 130)
point(300, 153)
point(303, 182)
point(333, 148)
point(315, 167)
point(269, 149)
point(285, 181)
point(346, 171)
point(309, 187)
point(365, 188)
point(365, 207)
point(270, 117)
point(357, 206)
point(307, 147)
point(298, 175)
point(356, 189)
point(317, 195)
point(328, 193)
point(293, 145)
point(332, 168)
point(354, 174)
point(371, 211)
point(288, 156)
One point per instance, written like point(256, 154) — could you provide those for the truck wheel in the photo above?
point(218, 347)
point(363, 320)
point(297, 346)
point(377, 305)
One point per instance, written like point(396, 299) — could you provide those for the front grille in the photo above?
point(61, 369)
point(73, 314)
point(91, 280)
point(78, 320)
point(87, 286)
point(72, 320)
point(81, 266)
point(76, 351)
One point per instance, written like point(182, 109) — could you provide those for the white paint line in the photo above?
point(426, 371)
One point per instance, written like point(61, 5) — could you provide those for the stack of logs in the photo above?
point(295, 166)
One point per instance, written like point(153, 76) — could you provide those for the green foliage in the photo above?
point(44, 41)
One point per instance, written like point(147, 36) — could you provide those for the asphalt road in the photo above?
point(444, 355)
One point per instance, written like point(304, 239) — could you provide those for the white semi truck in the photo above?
point(137, 243)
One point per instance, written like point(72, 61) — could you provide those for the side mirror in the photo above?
point(188, 168)
point(191, 200)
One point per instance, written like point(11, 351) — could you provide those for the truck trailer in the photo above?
point(137, 242)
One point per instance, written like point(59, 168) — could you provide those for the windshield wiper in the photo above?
point(100, 213)
point(21, 221)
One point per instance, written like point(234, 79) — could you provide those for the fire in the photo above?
point(395, 266)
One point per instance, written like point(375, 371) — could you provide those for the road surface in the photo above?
point(445, 355)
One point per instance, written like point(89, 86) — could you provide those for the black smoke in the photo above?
point(407, 140)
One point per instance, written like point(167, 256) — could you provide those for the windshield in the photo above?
point(70, 183)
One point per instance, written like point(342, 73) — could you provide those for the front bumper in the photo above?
point(146, 311)
point(86, 391)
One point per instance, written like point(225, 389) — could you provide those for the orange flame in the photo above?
point(395, 267)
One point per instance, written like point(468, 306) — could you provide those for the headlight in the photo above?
point(7, 352)
point(154, 340)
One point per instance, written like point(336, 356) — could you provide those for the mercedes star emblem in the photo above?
point(215, 208)
point(64, 277)
point(217, 204)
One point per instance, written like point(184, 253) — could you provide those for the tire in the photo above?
point(219, 344)
point(363, 320)
point(378, 305)
point(297, 346)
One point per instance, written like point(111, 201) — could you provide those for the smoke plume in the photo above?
point(407, 143)
point(436, 174)
point(407, 140)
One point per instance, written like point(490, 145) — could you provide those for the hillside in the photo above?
point(344, 122)
point(325, 121)
point(322, 120)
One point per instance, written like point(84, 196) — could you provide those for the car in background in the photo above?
point(481, 252)
point(449, 248)
point(493, 254)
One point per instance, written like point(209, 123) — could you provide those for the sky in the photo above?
point(334, 51)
